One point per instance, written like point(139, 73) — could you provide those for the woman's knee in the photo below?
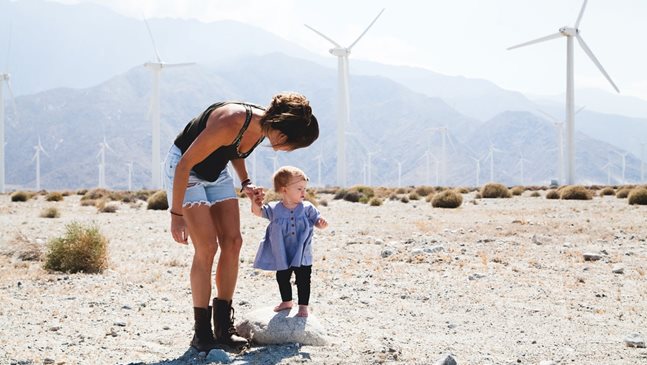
point(206, 252)
point(231, 244)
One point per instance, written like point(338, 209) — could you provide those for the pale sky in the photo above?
point(457, 37)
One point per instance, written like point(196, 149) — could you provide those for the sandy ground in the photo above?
point(497, 282)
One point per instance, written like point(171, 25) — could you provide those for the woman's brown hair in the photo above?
point(291, 114)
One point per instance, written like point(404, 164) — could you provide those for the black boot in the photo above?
point(223, 325)
point(203, 339)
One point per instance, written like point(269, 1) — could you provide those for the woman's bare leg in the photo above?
point(226, 219)
point(205, 243)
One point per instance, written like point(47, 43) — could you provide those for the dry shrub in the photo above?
point(638, 196)
point(95, 194)
point(623, 193)
point(478, 196)
point(552, 194)
point(404, 199)
point(352, 196)
point(424, 190)
point(518, 190)
point(401, 191)
point(376, 202)
point(414, 196)
point(576, 192)
point(81, 249)
point(66, 193)
point(20, 196)
point(340, 194)
point(447, 199)
point(463, 190)
point(144, 194)
point(495, 190)
point(81, 191)
point(393, 196)
point(607, 191)
point(323, 202)
point(535, 194)
point(51, 212)
point(429, 197)
point(54, 196)
point(108, 208)
point(88, 203)
point(363, 200)
point(157, 201)
point(23, 249)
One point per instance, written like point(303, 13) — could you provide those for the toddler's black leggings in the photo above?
point(303, 283)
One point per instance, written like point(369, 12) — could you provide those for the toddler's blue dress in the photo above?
point(288, 238)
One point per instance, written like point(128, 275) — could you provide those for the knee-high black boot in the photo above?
point(223, 324)
point(203, 339)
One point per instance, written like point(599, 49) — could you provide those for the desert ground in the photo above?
point(496, 281)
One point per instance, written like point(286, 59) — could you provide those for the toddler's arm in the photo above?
point(321, 223)
point(257, 200)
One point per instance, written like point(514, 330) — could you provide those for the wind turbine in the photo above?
point(130, 175)
point(490, 155)
point(559, 127)
point(624, 164)
point(102, 164)
point(319, 159)
point(399, 172)
point(571, 33)
point(154, 111)
point(5, 78)
point(275, 162)
point(343, 100)
point(443, 135)
point(608, 167)
point(39, 148)
point(478, 170)
point(370, 166)
point(520, 163)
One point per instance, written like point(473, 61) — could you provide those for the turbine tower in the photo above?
point(343, 111)
point(478, 170)
point(399, 172)
point(4, 78)
point(39, 148)
point(559, 127)
point(154, 111)
point(319, 159)
point(130, 175)
point(570, 33)
point(490, 155)
point(624, 165)
point(102, 164)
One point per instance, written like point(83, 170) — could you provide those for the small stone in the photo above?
point(618, 270)
point(120, 323)
point(567, 245)
point(590, 256)
point(475, 276)
point(446, 359)
point(166, 328)
point(387, 252)
point(127, 307)
point(48, 361)
point(379, 242)
point(635, 340)
point(434, 249)
point(55, 328)
point(217, 356)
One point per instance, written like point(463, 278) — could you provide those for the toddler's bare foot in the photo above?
point(283, 306)
point(303, 311)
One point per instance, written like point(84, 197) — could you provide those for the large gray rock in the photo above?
point(265, 327)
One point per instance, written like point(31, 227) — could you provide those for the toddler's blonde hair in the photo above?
point(283, 176)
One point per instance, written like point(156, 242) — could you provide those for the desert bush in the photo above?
point(518, 190)
point(157, 201)
point(20, 196)
point(108, 208)
point(429, 197)
point(66, 193)
point(401, 191)
point(81, 191)
point(576, 192)
point(144, 194)
point(88, 203)
point(366, 191)
point(607, 191)
point(495, 190)
point(340, 194)
point(352, 196)
point(404, 199)
point(623, 193)
point(552, 194)
point(478, 196)
point(51, 212)
point(414, 196)
point(638, 196)
point(447, 199)
point(424, 190)
point(95, 194)
point(323, 202)
point(54, 196)
point(271, 196)
point(376, 202)
point(363, 200)
point(463, 190)
point(393, 196)
point(80, 249)
point(535, 194)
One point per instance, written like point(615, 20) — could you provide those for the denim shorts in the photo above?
point(198, 191)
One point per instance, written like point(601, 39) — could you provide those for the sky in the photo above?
point(457, 37)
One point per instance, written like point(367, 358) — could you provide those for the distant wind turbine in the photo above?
point(399, 172)
point(156, 67)
point(478, 170)
point(130, 175)
point(559, 127)
point(343, 99)
point(103, 146)
point(608, 168)
point(319, 159)
point(5, 78)
point(38, 149)
point(571, 33)
point(624, 164)
point(520, 163)
point(490, 155)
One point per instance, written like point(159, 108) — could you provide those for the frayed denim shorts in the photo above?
point(198, 191)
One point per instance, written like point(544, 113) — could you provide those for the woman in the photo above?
point(202, 197)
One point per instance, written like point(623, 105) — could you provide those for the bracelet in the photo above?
point(177, 214)
point(244, 183)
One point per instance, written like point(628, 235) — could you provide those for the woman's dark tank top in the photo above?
point(210, 168)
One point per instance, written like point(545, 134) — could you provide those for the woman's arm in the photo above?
point(240, 168)
point(221, 128)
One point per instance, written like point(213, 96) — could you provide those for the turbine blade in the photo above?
point(577, 23)
point(580, 109)
point(152, 40)
point(366, 30)
point(181, 64)
point(588, 51)
point(550, 116)
point(538, 40)
point(324, 36)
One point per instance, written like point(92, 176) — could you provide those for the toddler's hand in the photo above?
point(321, 223)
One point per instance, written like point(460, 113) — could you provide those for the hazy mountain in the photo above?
point(601, 101)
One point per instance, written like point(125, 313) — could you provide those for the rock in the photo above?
point(217, 356)
point(635, 340)
point(589, 256)
point(48, 361)
point(378, 242)
point(434, 249)
point(120, 323)
point(387, 252)
point(475, 276)
point(446, 359)
point(618, 270)
point(264, 326)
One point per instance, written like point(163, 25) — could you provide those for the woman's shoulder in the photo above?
point(230, 115)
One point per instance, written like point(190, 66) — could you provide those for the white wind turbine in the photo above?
point(343, 100)
point(428, 156)
point(399, 172)
point(319, 159)
point(490, 155)
point(443, 131)
point(478, 170)
point(103, 146)
point(154, 111)
point(5, 78)
point(624, 164)
point(571, 33)
point(608, 168)
point(520, 163)
point(559, 127)
point(39, 148)
point(130, 175)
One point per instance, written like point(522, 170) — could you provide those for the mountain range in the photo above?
point(394, 109)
